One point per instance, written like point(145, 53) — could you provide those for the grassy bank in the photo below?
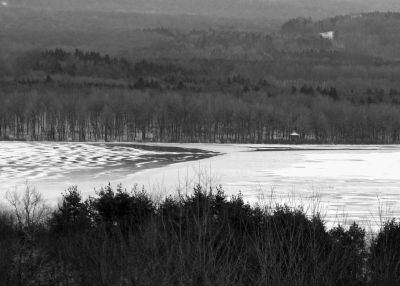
point(126, 238)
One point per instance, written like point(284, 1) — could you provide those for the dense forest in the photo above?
point(125, 114)
point(120, 237)
point(205, 84)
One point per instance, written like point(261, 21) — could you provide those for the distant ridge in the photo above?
point(274, 9)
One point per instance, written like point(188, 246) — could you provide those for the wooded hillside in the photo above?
point(203, 84)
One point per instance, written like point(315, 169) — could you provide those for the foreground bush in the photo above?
point(125, 238)
point(7, 237)
point(384, 261)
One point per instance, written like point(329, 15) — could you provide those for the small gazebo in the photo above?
point(294, 136)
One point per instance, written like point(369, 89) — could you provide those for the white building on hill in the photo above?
point(330, 35)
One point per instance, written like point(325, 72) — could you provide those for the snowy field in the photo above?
point(360, 181)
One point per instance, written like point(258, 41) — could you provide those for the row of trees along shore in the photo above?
point(122, 238)
point(97, 114)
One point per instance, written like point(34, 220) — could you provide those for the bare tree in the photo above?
point(31, 213)
point(29, 209)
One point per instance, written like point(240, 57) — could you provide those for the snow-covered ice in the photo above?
point(356, 180)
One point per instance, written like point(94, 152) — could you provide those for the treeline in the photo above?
point(90, 114)
point(126, 238)
point(93, 64)
point(311, 65)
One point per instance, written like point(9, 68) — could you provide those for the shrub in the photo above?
point(7, 241)
point(348, 255)
point(384, 260)
point(122, 209)
point(72, 215)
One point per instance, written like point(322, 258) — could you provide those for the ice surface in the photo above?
point(349, 182)
point(53, 167)
point(356, 180)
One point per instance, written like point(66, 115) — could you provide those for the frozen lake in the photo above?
point(356, 180)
